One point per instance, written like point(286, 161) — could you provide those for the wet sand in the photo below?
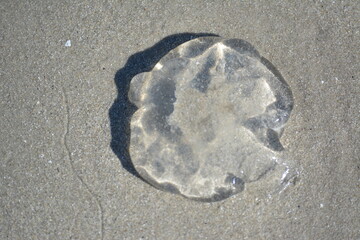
point(65, 172)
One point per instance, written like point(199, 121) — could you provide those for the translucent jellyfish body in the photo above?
point(209, 119)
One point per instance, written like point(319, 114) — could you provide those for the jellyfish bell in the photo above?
point(209, 120)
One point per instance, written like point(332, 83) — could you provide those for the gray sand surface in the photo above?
point(60, 179)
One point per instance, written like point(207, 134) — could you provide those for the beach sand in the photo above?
point(61, 176)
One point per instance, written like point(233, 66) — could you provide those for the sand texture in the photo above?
point(65, 71)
